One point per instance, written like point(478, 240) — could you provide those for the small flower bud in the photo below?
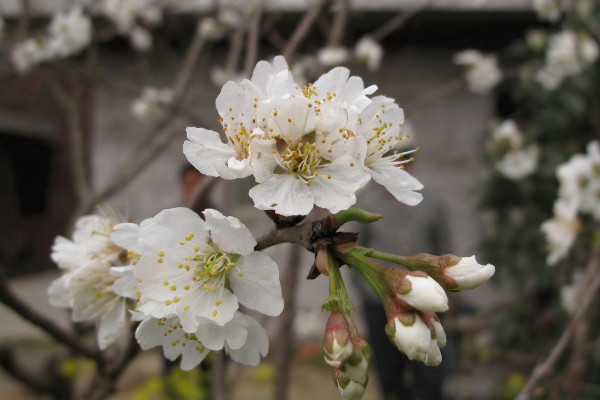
point(410, 335)
point(424, 293)
point(468, 274)
point(433, 357)
point(337, 345)
point(349, 389)
point(357, 365)
point(440, 335)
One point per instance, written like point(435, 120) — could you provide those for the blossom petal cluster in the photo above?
point(190, 276)
point(68, 34)
point(482, 72)
point(568, 53)
point(516, 161)
point(133, 18)
point(305, 146)
point(548, 10)
point(370, 52)
point(152, 104)
point(86, 285)
point(579, 193)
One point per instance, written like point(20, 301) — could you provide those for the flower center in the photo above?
point(303, 160)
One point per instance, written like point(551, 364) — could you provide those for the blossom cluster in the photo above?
point(579, 193)
point(133, 18)
point(568, 53)
point(68, 34)
point(482, 72)
point(86, 285)
point(152, 104)
point(305, 146)
point(187, 275)
point(548, 10)
point(516, 161)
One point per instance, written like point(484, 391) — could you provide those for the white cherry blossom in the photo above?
point(197, 269)
point(482, 73)
point(380, 126)
point(87, 284)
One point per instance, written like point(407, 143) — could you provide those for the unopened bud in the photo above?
point(356, 366)
point(440, 334)
point(410, 335)
point(468, 274)
point(337, 345)
point(423, 293)
point(349, 389)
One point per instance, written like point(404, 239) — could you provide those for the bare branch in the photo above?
point(587, 301)
point(340, 21)
point(303, 29)
point(77, 153)
point(164, 131)
point(235, 49)
point(24, 20)
point(398, 21)
point(285, 337)
point(252, 40)
point(70, 339)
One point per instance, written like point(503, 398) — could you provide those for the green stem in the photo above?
point(368, 268)
point(344, 300)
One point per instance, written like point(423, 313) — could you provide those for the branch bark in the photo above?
point(70, 339)
point(285, 336)
point(340, 21)
point(587, 301)
point(164, 131)
point(302, 30)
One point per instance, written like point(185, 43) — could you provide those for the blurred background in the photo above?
point(104, 121)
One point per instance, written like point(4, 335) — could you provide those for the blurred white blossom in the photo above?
point(518, 164)
point(548, 10)
point(370, 52)
point(152, 104)
point(332, 56)
point(482, 72)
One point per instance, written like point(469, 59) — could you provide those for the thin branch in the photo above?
point(26, 312)
point(435, 94)
point(77, 153)
point(587, 301)
point(164, 131)
point(24, 21)
point(302, 30)
point(218, 377)
point(285, 336)
point(340, 21)
point(199, 199)
point(252, 40)
point(397, 22)
point(235, 50)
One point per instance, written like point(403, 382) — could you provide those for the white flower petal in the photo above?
point(257, 344)
point(258, 287)
point(228, 233)
point(126, 236)
point(111, 325)
point(285, 194)
point(398, 182)
point(205, 151)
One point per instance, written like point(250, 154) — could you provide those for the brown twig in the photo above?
point(397, 22)
point(587, 301)
point(164, 132)
point(77, 154)
point(252, 40)
point(285, 337)
point(340, 21)
point(70, 339)
point(302, 30)
point(24, 20)
point(235, 50)
point(218, 377)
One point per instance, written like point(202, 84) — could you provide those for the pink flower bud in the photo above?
point(349, 389)
point(337, 345)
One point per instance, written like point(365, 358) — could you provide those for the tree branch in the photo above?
point(587, 301)
point(340, 21)
point(398, 22)
point(164, 131)
point(70, 339)
point(302, 30)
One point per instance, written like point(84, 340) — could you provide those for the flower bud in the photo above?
point(440, 335)
point(423, 293)
point(410, 335)
point(468, 274)
point(433, 357)
point(337, 345)
point(349, 389)
point(357, 365)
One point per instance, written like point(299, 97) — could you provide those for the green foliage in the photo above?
point(175, 385)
